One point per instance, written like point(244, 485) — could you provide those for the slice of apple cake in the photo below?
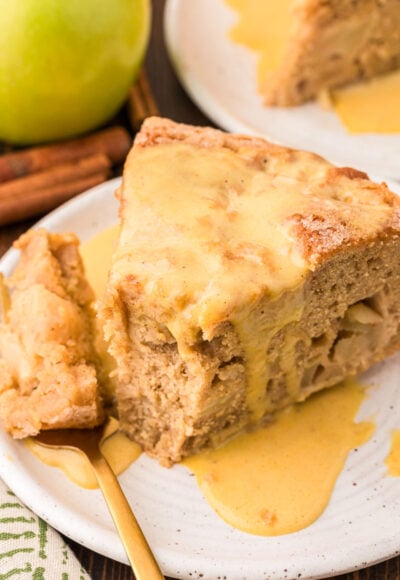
point(246, 277)
point(331, 43)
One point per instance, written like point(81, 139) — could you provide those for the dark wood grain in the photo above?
point(172, 102)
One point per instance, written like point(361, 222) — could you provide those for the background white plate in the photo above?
point(220, 78)
point(360, 526)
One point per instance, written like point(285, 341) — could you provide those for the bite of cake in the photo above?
point(49, 369)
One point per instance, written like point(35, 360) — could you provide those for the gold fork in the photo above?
point(88, 442)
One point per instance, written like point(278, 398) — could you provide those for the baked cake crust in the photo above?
point(246, 277)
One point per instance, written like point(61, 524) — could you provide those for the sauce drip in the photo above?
point(279, 479)
point(264, 28)
point(392, 461)
point(96, 255)
point(370, 106)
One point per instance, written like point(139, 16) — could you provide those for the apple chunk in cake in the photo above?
point(246, 277)
point(48, 376)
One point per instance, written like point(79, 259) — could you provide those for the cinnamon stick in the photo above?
point(46, 199)
point(114, 142)
point(141, 102)
point(40, 192)
point(23, 187)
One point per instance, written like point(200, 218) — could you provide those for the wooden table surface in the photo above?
point(173, 103)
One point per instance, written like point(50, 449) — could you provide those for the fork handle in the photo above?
point(137, 549)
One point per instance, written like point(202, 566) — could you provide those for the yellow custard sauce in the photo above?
point(96, 255)
point(364, 107)
point(392, 461)
point(264, 28)
point(370, 106)
point(279, 479)
point(272, 481)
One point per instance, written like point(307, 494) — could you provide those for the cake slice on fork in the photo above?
point(49, 369)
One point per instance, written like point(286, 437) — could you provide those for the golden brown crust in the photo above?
point(349, 172)
point(158, 130)
point(325, 227)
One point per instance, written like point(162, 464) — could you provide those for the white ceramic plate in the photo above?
point(220, 77)
point(360, 526)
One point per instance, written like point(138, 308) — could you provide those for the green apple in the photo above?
point(66, 65)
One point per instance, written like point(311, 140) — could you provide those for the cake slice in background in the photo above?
point(326, 44)
point(246, 277)
point(49, 369)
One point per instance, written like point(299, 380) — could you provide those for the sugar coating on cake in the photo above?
point(246, 277)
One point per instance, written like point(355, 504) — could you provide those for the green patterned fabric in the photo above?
point(29, 548)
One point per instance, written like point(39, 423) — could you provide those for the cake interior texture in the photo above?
point(49, 369)
point(246, 277)
point(332, 43)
